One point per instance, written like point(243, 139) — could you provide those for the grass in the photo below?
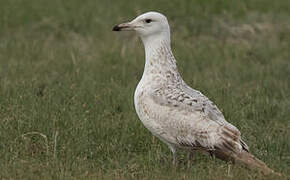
point(67, 84)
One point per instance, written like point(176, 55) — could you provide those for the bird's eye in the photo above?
point(148, 20)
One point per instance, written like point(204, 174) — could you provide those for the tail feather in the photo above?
point(246, 159)
point(252, 162)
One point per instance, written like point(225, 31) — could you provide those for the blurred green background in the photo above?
point(67, 84)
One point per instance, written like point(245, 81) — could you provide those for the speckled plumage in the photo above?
point(178, 115)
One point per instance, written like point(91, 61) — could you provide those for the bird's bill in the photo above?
point(124, 27)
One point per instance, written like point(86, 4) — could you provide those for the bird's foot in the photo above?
point(190, 159)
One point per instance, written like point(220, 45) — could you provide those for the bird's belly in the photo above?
point(161, 121)
point(152, 121)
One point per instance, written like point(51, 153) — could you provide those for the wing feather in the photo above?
point(209, 132)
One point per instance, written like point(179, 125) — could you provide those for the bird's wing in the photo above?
point(210, 130)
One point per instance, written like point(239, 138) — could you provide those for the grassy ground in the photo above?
point(67, 84)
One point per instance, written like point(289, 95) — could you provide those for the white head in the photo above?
point(149, 26)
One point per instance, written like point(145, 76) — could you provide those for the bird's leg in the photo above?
point(174, 158)
point(173, 150)
point(191, 155)
point(229, 170)
point(190, 158)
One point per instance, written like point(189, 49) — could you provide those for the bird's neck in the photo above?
point(158, 53)
point(160, 62)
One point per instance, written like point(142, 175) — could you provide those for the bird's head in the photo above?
point(150, 25)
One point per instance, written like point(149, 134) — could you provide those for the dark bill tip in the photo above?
point(116, 28)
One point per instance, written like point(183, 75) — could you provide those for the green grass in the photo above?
point(67, 84)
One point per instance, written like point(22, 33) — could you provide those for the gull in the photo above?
point(181, 117)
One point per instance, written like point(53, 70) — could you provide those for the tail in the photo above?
point(250, 161)
point(246, 159)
